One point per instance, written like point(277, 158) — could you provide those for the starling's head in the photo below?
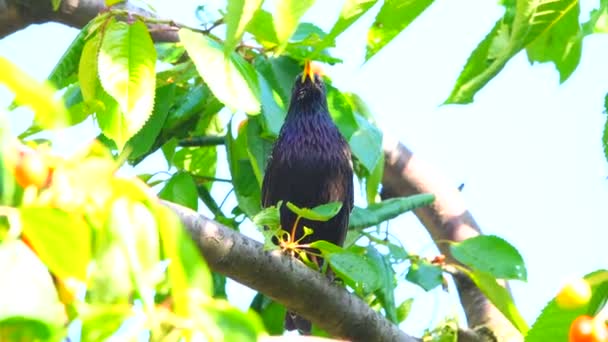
point(309, 85)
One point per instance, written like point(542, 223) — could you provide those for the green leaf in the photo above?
point(233, 81)
point(424, 274)
point(126, 66)
point(598, 20)
point(246, 187)
point(351, 11)
point(373, 181)
point(261, 27)
point(169, 52)
point(341, 112)
point(234, 324)
point(7, 179)
point(500, 297)
point(394, 17)
point(376, 213)
point(271, 312)
point(492, 255)
point(326, 247)
point(188, 273)
point(510, 34)
point(142, 141)
point(66, 69)
point(385, 292)
point(61, 239)
point(258, 148)
point(404, 309)
point(273, 111)
point(268, 217)
point(355, 270)
point(322, 213)
point(281, 73)
point(198, 161)
point(101, 321)
point(180, 189)
point(553, 323)
point(562, 44)
point(286, 18)
point(238, 15)
point(30, 309)
point(366, 144)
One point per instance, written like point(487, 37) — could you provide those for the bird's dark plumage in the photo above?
point(310, 165)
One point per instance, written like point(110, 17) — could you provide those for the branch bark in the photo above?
point(405, 174)
point(287, 281)
point(446, 219)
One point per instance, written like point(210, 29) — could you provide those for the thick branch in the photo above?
point(447, 219)
point(287, 281)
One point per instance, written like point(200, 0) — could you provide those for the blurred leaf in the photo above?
point(180, 189)
point(598, 299)
point(500, 297)
point(188, 273)
point(492, 255)
point(386, 291)
point(562, 44)
point(61, 239)
point(308, 34)
point(404, 309)
point(7, 179)
point(126, 65)
point(386, 210)
point(598, 20)
point(366, 144)
point(219, 285)
point(424, 274)
point(273, 113)
point(261, 27)
point(101, 321)
point(394, 17)
point(233, 81)
point(234, 324)
point(169, 52)
point(271, 312)
point(322, 213)
point(281, 73)
point(355, 270)
point(64, 72)
point(553, 323)
point(268, 217)
point(238, 14)
point(143, 140)
point(136, 231)
point(49, 112)
point(286, 19)
point(29, 307)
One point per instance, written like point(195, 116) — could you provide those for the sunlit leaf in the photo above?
point(180, 189)
point(61, 239)
point(126, 65)
point(238, 15)
point(492, 255)
point(322, 213)
point(500, 297)
point(268, 217)
point(233, 81)
point(29, 306)
point(287, 16)
point(386, 210)
point(271, 312)
point(394, 17)
point(366, 144)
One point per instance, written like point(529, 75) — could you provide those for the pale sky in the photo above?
point(528, 149)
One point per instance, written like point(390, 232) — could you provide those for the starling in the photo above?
point(310, 165)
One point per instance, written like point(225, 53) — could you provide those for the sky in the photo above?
point(528, 149)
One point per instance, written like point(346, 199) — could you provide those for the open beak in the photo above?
point(308, 72)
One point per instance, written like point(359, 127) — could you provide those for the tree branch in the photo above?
point(288, 281)
point(446, 219)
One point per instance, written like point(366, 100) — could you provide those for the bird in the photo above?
point(310, 164)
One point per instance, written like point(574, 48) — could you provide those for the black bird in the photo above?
point(310, 165)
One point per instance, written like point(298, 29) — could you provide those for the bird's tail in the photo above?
point(293, 322)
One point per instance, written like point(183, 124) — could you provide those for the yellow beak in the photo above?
point(308, 72)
